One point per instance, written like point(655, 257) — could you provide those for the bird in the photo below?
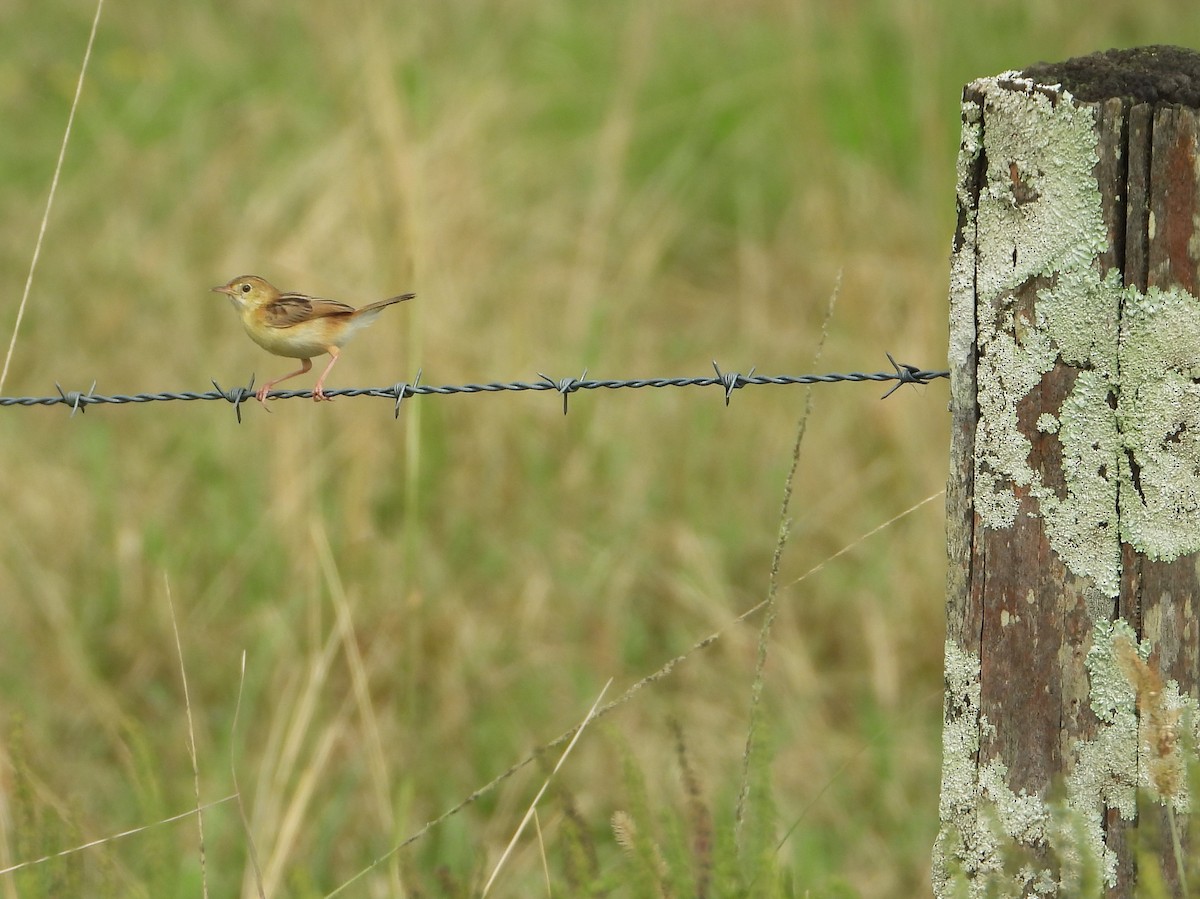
point(298, 326)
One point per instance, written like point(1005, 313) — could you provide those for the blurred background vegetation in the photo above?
point(636, 187)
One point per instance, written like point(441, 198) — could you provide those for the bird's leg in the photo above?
point(261, 393)
point(319, 389)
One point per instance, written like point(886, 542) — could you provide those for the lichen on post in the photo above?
point(1073, 504)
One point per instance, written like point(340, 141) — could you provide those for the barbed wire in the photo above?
point(729, 381)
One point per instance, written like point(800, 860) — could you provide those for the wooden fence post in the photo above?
point(1073, 505)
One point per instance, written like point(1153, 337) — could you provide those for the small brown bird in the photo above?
point(298, 326)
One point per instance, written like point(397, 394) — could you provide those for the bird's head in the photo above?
point(248, 291)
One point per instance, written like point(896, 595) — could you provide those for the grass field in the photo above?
point(634, 188)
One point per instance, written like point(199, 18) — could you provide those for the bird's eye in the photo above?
point(245, 288)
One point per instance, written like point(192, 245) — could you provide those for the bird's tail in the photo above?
point(382, 304)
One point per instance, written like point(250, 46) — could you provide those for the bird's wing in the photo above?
point(294, 308)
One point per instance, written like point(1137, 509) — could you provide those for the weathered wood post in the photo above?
point(1073, 644)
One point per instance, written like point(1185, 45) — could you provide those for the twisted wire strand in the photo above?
point(728, 381)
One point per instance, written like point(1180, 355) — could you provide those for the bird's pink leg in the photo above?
point(319, 389)
point(261, 393)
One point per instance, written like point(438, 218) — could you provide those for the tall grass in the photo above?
point(635, 188)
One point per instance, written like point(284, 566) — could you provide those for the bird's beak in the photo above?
point(225, 289)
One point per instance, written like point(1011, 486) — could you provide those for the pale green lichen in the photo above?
point(1142, 724)
point(1146, 454)
point(1021, 817)
point(1049, 149)
point(1105, 772)
point(964, 846)
point(1082, 527)
point(962, 262)
point(1159, 414)
point(1124, 680)
point(986, 824)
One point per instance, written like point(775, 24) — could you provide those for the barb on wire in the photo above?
point(237, 395)
point(905, 374)
point(566, 386)
point(73, 397)
point(729, 381)
point(400, 389)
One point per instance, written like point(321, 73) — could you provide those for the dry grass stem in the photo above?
point(781, 540)
point(116, 836)
point(533, 805)
point(1158, 724)
point(62, 155)
point(233, 744)
point(187, 705)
